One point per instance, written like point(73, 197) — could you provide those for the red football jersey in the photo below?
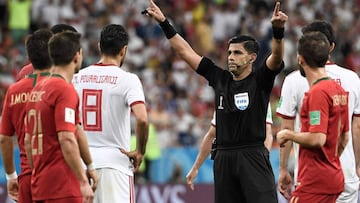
point(324, 110)
point(14, 112)
point(54, 108)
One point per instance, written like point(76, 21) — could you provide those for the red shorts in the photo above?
point(25, 188)
point(63, 200)
point(309, 197)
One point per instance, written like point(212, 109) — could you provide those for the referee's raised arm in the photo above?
point(181, 47)
point(278, 21)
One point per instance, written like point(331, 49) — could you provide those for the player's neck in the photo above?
point(66, 72)
point(107, 60)
point(37, 71)
point(315, 75)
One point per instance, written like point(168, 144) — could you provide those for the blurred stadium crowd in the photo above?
point(180, 102)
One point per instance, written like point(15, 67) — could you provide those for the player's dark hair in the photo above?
point(321, 26)
point(37, 49)
point(315, 48)
point(61, 28)
point(63, 47)
point(250, 44)
point(112, 39)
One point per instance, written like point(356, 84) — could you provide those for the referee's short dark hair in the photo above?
point(250, 44)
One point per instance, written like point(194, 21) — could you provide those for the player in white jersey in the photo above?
point(209, 138)
point(108, 94)
point(292, 94)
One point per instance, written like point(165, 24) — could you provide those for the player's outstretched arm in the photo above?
point(278, 21)
point(305, 139)
point(204, 152)
point(180, 46)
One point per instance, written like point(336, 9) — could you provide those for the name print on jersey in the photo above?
point(339, 100)
point(95, 79)
point(24, 97)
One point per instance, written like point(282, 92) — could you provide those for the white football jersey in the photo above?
point(106, 94)
point(290, 102)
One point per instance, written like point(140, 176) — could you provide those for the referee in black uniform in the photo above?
point(242, 169)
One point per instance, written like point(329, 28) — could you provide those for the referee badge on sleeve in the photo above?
point(241, 100)
point(69, 115)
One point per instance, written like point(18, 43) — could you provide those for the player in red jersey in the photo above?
point(324, 126)
point(13, 122)
point(52, 115)
point(14, 112)
point(28, 69)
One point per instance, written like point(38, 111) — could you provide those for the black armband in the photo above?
point(278, 32)
point(168, 29)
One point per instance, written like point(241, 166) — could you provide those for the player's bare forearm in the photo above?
point(205, 147)
point(356, 139)
point(269, 137)
point(285, 180)
point(142, 134)
point(70, 151)
point(284, 155)
point(28, 149)
point(285, 151)
point(343, 140)
point(309, 139)
point(305, 139)
point(6, 145)
point(204, 152)
point(83, 146)
point(141, 127)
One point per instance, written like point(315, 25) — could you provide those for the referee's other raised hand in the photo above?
point(155, 12)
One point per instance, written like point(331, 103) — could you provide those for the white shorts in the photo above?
point(114, 186)
point(350, 194)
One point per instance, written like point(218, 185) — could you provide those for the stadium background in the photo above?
point(180, 103)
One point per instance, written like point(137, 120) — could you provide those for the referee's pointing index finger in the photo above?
point(151, 2)
point(276, 9)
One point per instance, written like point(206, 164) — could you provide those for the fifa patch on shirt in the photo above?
point(69, 115)
point(241, 100)
point(314, 117)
